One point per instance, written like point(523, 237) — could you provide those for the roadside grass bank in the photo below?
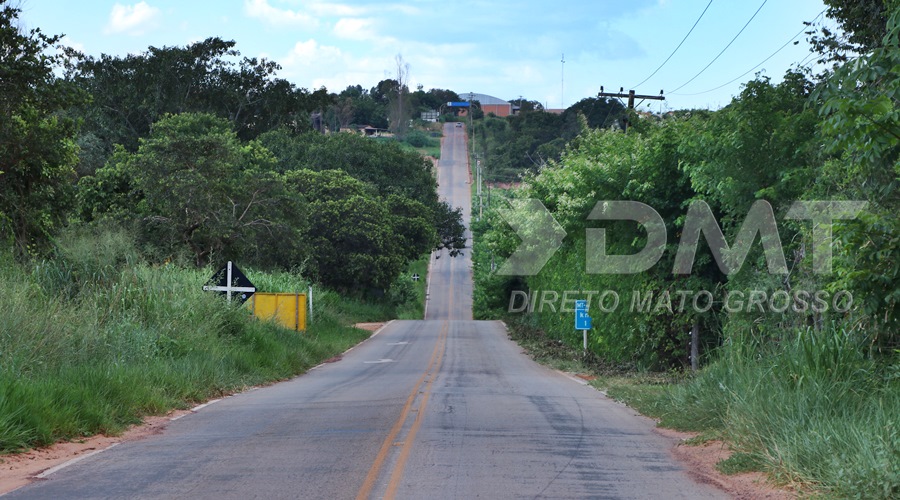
point(812, 411)
point(95, 339)
point(411, 304)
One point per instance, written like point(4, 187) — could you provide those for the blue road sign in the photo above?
point(582, 320)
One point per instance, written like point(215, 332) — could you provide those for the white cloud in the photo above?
point(325, 8)
point(133, 20)
point(262, 9)
point(310, 53)
point(357, 29)
point(354, 29)
point(312, 65)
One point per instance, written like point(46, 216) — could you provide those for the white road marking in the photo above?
point(74, 461)
point(379, 361)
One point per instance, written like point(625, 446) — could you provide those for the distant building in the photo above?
point(490, 104)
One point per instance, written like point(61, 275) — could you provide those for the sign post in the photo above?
point(231, 280)
point(582, 320)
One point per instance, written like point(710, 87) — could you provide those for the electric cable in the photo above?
point(676, 48)
point(758, 65)
point(723, 50)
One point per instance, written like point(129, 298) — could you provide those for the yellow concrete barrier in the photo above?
point(286, 309)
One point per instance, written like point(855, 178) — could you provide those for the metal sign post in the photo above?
point(582, 320)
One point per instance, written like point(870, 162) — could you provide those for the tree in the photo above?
point(451, 230)
point(385, 165)
point(600, 113)
point(413, 225)
point(131, 93)
point(38, 151)
point(350, 230)
point(860, 106)
point(863, 27)
point(399, 97)
point(203, 189)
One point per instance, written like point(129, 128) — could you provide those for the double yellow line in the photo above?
point(423, 386)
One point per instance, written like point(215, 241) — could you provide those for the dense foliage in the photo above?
point(38, 152)
point(802, 382)
point(806, 138)
point(209, 156)
point(516, 145)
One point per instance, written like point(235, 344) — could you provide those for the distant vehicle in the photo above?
point(458, 124)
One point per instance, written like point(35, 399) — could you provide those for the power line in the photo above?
point(760, 64)
point(676, 48)
point(723, 50)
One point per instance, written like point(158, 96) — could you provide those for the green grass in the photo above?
point(93, 340)
point(739, 463)
point(415, 308)
point(811, 409)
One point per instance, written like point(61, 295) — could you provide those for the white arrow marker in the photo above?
point(379, 361)
point(540, 233)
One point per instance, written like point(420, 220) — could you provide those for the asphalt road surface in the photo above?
point(446, 407)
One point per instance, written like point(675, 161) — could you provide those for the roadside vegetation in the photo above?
point(808, 394)
point(96, 338)
point(116, 208)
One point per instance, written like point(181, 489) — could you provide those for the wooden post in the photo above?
point(631, 95)
point(695, 345)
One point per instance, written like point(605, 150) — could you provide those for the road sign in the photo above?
point(229, 280)
point(582, 320)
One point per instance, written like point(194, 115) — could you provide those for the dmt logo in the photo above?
point(542, 236)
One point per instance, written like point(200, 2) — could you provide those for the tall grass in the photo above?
point(94, 339)
point(812, 408)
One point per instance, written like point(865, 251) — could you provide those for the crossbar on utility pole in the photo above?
point(631, 96)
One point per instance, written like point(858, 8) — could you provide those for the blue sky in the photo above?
point(499, 47)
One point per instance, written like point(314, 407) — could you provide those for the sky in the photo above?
point(501, 48)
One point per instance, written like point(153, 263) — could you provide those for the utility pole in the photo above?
point(631, 97)
point(478, 189)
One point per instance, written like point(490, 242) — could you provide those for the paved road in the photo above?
point(441, 408)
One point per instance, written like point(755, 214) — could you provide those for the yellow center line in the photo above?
point(431, 369)
point(397, 475)
point(372, 476)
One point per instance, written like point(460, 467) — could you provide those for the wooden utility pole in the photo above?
point(631, 97)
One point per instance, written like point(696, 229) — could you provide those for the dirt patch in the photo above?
point(585, 376)
point(19, 469)
point(701, 461)
point(368, 326)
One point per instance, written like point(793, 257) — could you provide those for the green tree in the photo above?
point(385, 165)
point(350, 231)
point(131, 93)
point(860, 106)
point(600, 113)
point(203, 189)
point(38, 150)
point(413, 225)
point(863, 26)
point(450, 228)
